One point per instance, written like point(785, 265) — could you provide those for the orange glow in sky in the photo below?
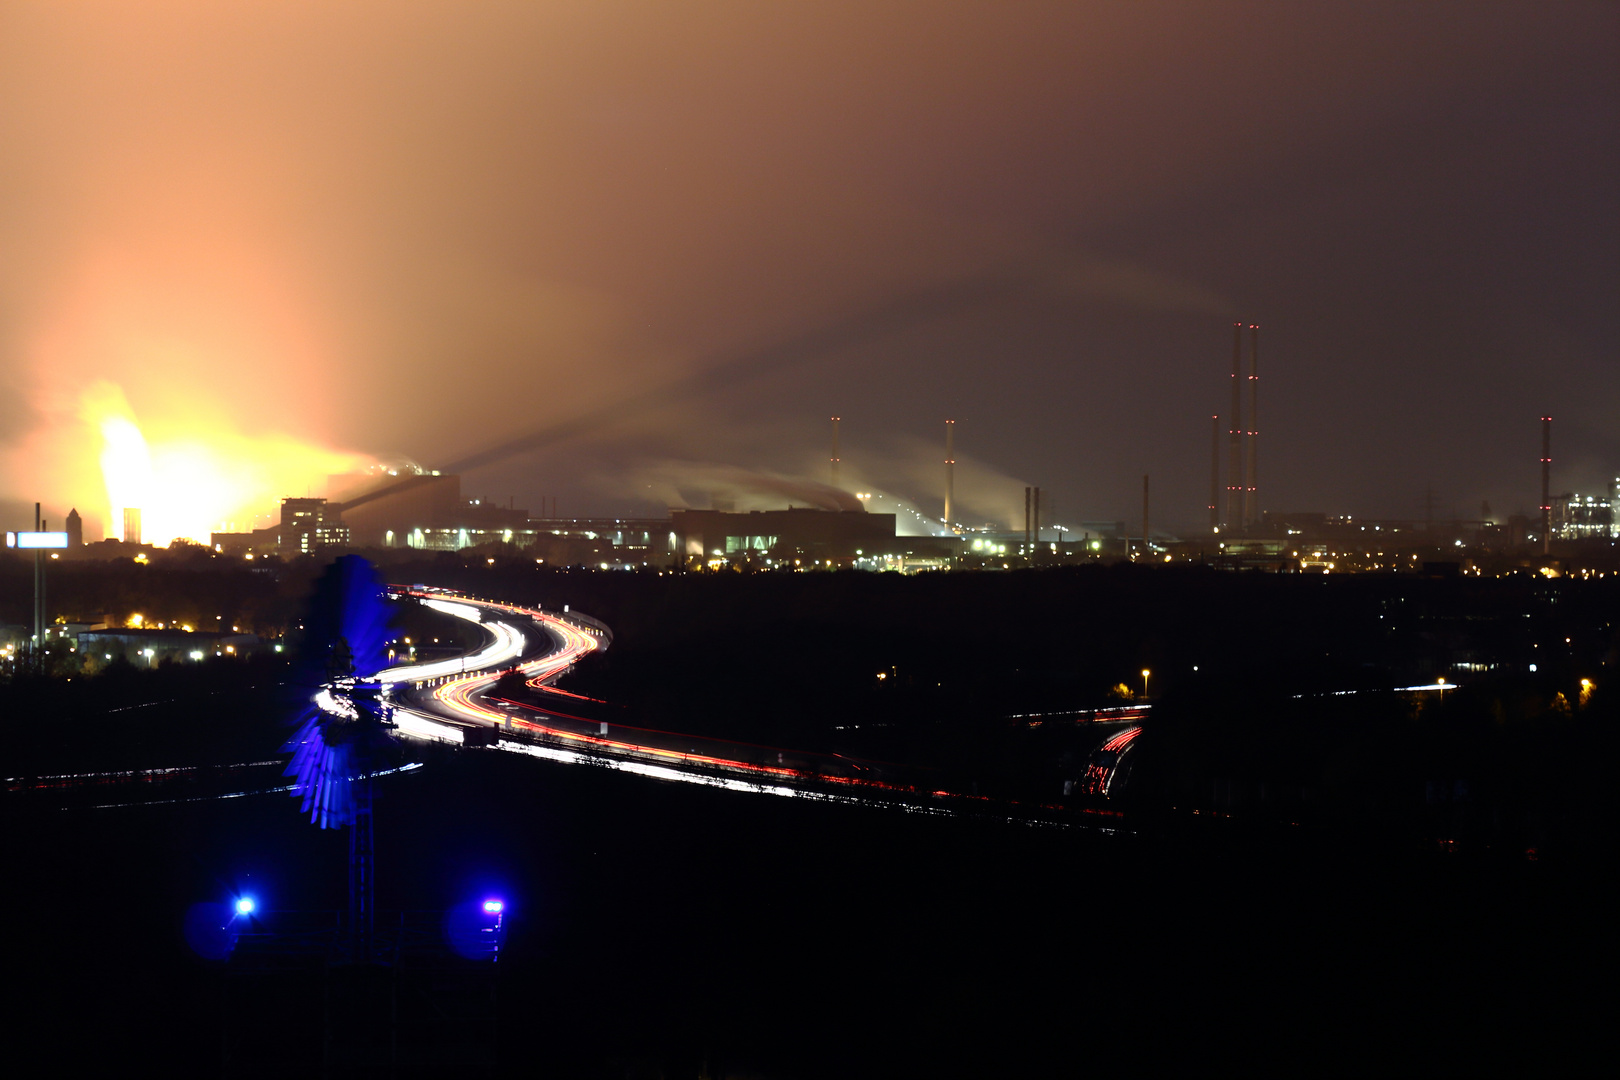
point(196, 387)
point(206, 479)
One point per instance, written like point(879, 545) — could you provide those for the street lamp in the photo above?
point(1145, 674)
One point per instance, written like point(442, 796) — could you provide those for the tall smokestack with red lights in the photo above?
point(835, 451)
point(1251, 493)
point(1146, 547)
point(1234, 435)
point(1215, 474)
point(1546, 485)
point(950, 467)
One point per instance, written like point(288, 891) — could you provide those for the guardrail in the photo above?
point(587, 623)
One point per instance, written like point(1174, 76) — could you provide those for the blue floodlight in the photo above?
point(475, 928)
point(245, 905)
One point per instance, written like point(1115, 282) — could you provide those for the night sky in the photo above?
point(413, 231)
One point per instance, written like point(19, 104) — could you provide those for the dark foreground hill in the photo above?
point(659, 929)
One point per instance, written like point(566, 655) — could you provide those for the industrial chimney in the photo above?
point(950, 467)
point(1234, 434)
point(835, 451)
point(1215, 474)
point(1146, 547)
point(1251, 494)
point(1546, 485)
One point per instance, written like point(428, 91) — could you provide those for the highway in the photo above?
point(463, 701)
point(458, 701)
point(441, 699)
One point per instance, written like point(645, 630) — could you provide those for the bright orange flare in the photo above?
point(206, 480)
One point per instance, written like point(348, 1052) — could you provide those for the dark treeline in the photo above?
point(185, 585)
point(218, 712)
point(1508, 763)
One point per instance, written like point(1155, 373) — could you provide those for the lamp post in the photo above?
point(38, 540)
point(1145, 674)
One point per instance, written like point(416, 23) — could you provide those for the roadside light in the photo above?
point(245, 905)
point(1145, 674)
point(494, 907)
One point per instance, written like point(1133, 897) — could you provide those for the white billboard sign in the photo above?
point(36, 540)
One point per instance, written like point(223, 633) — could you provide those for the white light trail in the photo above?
point(728, 783)
point(507, 645)
point(410, 767)
point(416, 726)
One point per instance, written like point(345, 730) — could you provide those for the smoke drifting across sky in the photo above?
point(385, 229)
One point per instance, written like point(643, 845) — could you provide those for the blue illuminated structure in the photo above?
point(343, 737)
point(245, 906)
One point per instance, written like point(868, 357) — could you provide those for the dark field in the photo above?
point(660, 929)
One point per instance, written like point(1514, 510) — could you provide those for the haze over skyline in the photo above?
point(286, 239)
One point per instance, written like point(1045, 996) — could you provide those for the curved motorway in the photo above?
point(450, 700)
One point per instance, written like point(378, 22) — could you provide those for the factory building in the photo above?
point(702, 536)
point(1584, 517)
point(310, 525)
point(613, 542)
point(383, 501)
